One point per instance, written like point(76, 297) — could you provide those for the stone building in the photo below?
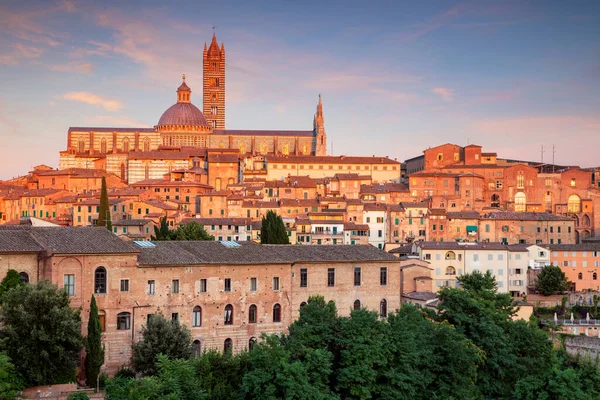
point(226, 293)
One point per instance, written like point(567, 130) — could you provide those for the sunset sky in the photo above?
point(396, 77)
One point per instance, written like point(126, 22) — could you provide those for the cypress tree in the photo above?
point(273, 230)
point(93, 346)
point(104, 213)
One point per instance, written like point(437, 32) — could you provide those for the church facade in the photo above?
point(186, 138)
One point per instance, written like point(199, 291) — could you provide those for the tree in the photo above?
point(10, 281)
point(11, 382)
point(273, 230)
point(192, 231)
point(162, 232)
point(552, 280)
point(104, 212)
point(161, 336)
point(220, 374)
point(41, 333)
point(478, 282)
point(94, 357)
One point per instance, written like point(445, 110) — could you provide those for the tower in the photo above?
point(214, 84)
point(319, 131)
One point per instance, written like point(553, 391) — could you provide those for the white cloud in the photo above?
point(90, 98)
point(445, 93)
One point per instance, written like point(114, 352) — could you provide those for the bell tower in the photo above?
point(319, 131)
point(214, 84)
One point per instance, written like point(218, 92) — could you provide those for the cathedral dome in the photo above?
point(183, 113)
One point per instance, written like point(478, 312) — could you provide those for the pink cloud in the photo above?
point(445, 93)
point(110, 120)
point(74, 66)
point(90, 98)
point(437, 21)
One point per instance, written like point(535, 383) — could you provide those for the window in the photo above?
point(197, 316)
point(196, 348)
point(303, 277)
point(450, 271)
point(275, 283)
point(490, 257)
point(383, 276)
point(175, 316)
point(124, 285)
point(253, 284)
point(123, 321)
point(175, 286)
point(227, 285)
point(252, 314)
point(383, 308)
point(574, 204)
point(203, 285)
point(520, 202)
point(331, 277)
point(475, 257)
point(580, 276)
point(276, 313)
point(100, 280)
point(69, 281)
point(520, 181)
point(302, 305)
point(357, 273)
point(356, 305)
point(228, 344)
point(24, 277)
point(251, 343)
point(595, 276)
point(228, 314)
point(500, 257)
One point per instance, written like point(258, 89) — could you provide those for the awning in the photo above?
point(471, 228)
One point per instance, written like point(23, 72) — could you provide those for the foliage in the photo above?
point(104, 211)
point(41, 333)
point(175, 379)
point(11, 382)
point(161, 336)
point(125, 372)
point(78, 396)
point(192, 231)
point(273, 230)
point(478, 282)
point(221, 374)
point(102, 379)
point(94, 357)
point(10, 281)
point(552, 280)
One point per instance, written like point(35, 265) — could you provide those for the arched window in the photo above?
point(146, 144)
point(520, 180)
point(228, 346)
point(24, 277)
point(302, 305)
point(383, 308)
point(585, 221)
point(450, 255)
point(251, 343)
point(228, 314)
point(123, 321)
point(356, 305)
point(197, 348)
point(197, 316)
point(548, 202)
point(574, 204)
point(580, 276)
point(276, 313)
point(103, 146)
point(450, 271)
point(252, 314)
point(81, 146)
point(100, 280)
point(218, 184)
point(520, 202)
point(125, 145)
point(595, 276)
point(123, 172)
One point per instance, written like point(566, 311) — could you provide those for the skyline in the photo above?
point(411, 75)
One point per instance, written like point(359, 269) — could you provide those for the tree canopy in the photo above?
point(551, 280)
point(161, 336)
point(10, 281)
point(273, 230)
point(104, 211)
point(41, 333)
point(189, 231)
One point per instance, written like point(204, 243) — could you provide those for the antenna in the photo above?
point(542, 154)
point(553, 152)
point(332, 147)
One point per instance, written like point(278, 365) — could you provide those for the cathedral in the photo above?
point(186, 139)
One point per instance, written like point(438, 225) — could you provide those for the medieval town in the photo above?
point(280, 222)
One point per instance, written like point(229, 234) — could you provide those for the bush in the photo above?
point(125, 372)
point(11, 382)
point(102, 379)
point(78, 396)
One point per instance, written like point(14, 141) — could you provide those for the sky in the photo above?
point(396, 77)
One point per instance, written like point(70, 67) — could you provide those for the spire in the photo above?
point(183, 92)
point(213, 49)
point(320, 107)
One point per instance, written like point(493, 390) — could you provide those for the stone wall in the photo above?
point(583, 346)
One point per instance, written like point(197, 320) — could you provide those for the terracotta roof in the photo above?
point(347, 177)
point(420, 296)
point(18, 241)
point(298, 202)
point(159, 155)
point(463, 215)
point(402, 250)
point(165, 182)
point(375, 207)
point(211, 252)
point(130, 222)
point(218, 221)
point(302, 182)
point(575, 247)
point(331, 160)
point(239, 132)
point(461, 246)
point(230, 158)
point(525, 216)
point(104, 129)
point(414, 204)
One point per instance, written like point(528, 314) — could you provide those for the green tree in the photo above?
point(104, 212)
point(552, 280)
point(192, 231)
point(10, 281)
point(78, 396)
point(220, 374)
point(162, 231)
point(42, 333)
point(161, 336)
point(11, 382)
point(273, 230)
point(94, 357)
point(478, 282)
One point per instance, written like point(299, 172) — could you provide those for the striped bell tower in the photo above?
point(214, 84)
